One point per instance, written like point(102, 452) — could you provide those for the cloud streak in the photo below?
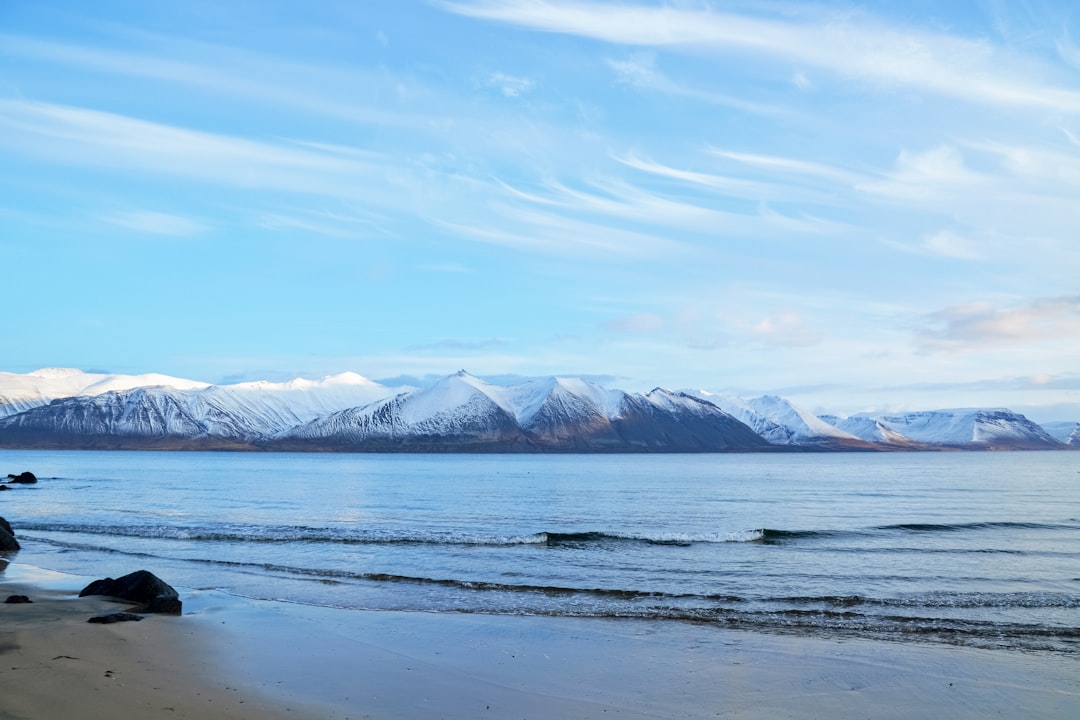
point(980, 326)
point(80, 136)
point(156, 223)
point(854, 46)
point(641, 71)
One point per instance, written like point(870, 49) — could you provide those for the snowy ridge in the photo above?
point(168, 409)
point(452, 410)
point(1065, 432)
point(871, 430)
point(778, 420)
point(961, 428)
point(19, 393)
point(462, 411)
point(65, 408)
point(303, 400)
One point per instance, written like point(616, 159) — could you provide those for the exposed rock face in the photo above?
point(17, 600)
point(152, 593)
point(8, 543)
point(23, 478)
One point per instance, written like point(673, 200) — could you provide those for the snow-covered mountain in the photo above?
point(462, 412)
point(178, 413)
point(63, 408)
point(1066, 432)
point(783, 423)
point(970, 428)
point(19, 393)
point(873, 430)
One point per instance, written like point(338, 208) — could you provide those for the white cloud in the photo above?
point(739, 187)
point(784, 330)
point(79, 136)
point(226, 72)
point(855, 46)
point(1069, 52)
point(555, 234)
point(641, 71)
point(922, 175)
point(156, 223)
point(278, 222)
point(509, 85)
point(980, 325)
point(777, 165)
point(948, 244)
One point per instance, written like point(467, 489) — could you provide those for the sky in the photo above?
point(860, 206)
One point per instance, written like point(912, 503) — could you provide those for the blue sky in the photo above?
point(859, 206)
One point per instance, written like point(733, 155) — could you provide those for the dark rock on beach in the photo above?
point(23, 478)
point(152, 593)
point(8, 542)
point(17, 600)
point(115, 618)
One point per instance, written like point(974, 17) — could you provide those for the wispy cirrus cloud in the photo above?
point(80, 136)
point(853, 45)
point(784, 330)
point(781, 166)
point(928, 175)
point(641, 71)
point(951, 245)
point(562, 234)
point(945, 243)
point(510, 86)
point(156, 223)
point(631, 220)
point(324, 222)
point(727, 184)
point(227, 72)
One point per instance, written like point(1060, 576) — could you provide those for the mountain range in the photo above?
point(66, 408)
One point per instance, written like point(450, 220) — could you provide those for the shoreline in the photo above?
point(53, 663)
point(231, 657)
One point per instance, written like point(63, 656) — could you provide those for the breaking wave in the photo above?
point(303, 534)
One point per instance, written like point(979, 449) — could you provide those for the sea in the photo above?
point(976, 549)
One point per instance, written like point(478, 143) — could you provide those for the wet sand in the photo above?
point(229, 657)
point(54, 664)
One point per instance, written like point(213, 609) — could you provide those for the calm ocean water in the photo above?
point(978, 549)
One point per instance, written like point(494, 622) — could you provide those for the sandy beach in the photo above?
point(53, 663)
point(229, 657)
